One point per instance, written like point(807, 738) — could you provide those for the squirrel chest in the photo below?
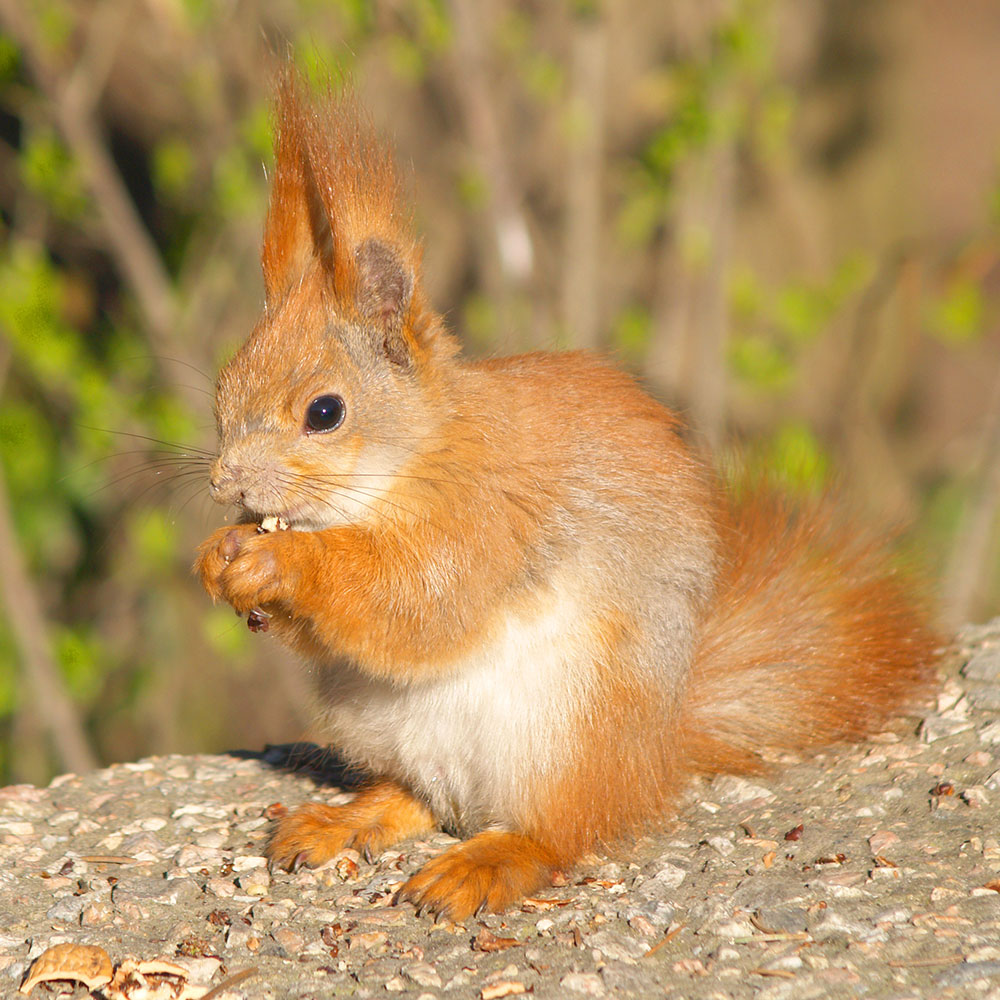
point(470, 741)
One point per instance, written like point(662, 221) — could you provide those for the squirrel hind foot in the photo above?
point(488, 873)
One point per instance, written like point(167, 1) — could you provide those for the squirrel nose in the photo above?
point(224, 483)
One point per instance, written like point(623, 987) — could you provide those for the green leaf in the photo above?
point(433, 25)
point(958, 316)
point(760, 361)
point(791, 460)
point(480, 320)
point(257, 131)
point(632, 332)
point(200, 13)
point(323, 65)
point(10, 59)
point(27, 445)
point(154, 540)
point(173, 167)
point(746, 296)
point(10, 678)
point(30, 304)
point(406, 58)
point(48, 169)
point(80, 657)
point(775, 121)
point(473, 188)
point(799, 458)
point(358, 15)
point(226, 634)
point(238, 188)
point(642, 213)
point(55, 25)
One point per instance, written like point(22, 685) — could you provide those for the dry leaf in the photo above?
point(535, 905)
point(502, 989)
point(486, 940)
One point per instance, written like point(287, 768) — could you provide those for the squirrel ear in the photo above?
point(384, 292)
point(336, 200)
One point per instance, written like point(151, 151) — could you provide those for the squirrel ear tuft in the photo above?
point(298, 226)
point(384, 292)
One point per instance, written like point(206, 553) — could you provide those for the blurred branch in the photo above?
point(861, 384)
point(708, 401)
point(667, 361)
point(971, 552)
point(72, 105)
point(53, 707)
point(862, 343)
point(87, 81)
point(581, 298)
point(514, 246)
point(687, 357)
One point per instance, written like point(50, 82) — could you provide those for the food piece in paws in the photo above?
point(257, 620)
point(272, 523)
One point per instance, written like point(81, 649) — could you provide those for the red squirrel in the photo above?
point(532, 611)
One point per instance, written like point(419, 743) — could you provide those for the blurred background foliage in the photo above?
point(784, 215)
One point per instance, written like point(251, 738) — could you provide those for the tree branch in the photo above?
point(581, 285)
point(129, 242)
point(510, 229)
point(53, 707)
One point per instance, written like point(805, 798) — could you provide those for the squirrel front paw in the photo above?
point(216, 553)
point(381, 815)
point(246, 568)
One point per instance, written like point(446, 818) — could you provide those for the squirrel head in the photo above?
point(333, 390)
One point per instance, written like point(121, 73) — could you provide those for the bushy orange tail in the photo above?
point(813, 639)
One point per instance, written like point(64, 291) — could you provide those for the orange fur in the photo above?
point(532, 612)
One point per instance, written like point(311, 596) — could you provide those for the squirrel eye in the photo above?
point(325, 413)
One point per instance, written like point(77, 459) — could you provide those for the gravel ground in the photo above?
point(872, 871)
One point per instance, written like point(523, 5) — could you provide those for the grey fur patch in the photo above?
point(385, 287)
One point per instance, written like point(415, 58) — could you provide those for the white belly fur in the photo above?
point(471, 742)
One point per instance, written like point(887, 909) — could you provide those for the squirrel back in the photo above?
point(532, 611)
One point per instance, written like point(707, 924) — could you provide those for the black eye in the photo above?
point(325, 413)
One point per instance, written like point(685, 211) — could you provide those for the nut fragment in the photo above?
point(272, 523)
point(81, 963)
point(157, 979)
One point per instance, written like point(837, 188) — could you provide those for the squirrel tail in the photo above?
point(814, 638)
